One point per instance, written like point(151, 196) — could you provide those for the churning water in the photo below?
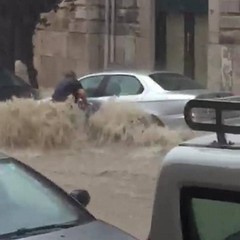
point(116, 156)
point(27, 123)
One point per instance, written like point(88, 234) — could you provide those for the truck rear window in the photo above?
point(210, 214)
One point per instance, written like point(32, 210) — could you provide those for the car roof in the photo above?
point(132, 72)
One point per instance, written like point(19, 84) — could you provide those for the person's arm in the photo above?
point(82, 95)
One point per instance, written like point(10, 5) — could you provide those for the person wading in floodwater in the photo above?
point(70, 86)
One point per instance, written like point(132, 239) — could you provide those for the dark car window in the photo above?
point(92, 85)
point(175, 82)
point(123, 85)
point(29, 201)
point(209, 214)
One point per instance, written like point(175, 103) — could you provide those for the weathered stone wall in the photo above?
point(201, 49)
point(224, 45)
point(135, 33)
point(71, 41)
point(75, 38)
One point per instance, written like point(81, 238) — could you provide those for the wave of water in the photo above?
point(30, 124)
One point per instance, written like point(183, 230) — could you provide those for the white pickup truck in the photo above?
point(198, 190)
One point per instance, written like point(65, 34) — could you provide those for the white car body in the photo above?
point(154, 100)
point(164, 105)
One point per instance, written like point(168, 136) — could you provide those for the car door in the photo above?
point(124, 87)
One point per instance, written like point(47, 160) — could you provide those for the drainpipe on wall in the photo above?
point(107, 33)
point(112, 43)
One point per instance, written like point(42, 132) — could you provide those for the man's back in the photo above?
point(65, 88)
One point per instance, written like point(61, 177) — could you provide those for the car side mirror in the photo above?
point(82, 196)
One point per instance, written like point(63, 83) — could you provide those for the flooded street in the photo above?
point(115, 158)
point(120, 179)
point(101, 91)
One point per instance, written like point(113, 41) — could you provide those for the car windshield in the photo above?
point(175, 82)
point(29, 201)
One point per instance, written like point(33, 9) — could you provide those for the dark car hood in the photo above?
point(96, 230)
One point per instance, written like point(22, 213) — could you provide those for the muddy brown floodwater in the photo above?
point(116, 158)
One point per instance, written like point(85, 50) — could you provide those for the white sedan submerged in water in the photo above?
point(162, 94)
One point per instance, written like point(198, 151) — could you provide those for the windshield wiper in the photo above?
point(32, 231)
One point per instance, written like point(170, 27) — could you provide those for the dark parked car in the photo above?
point(12, 85)
point(32, 207)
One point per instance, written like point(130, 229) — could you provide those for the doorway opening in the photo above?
point(181, 37)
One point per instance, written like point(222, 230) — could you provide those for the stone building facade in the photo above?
point(224, 45)
point(77, 38)
point(199, 38)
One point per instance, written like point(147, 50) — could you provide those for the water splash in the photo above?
point(30, 124)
